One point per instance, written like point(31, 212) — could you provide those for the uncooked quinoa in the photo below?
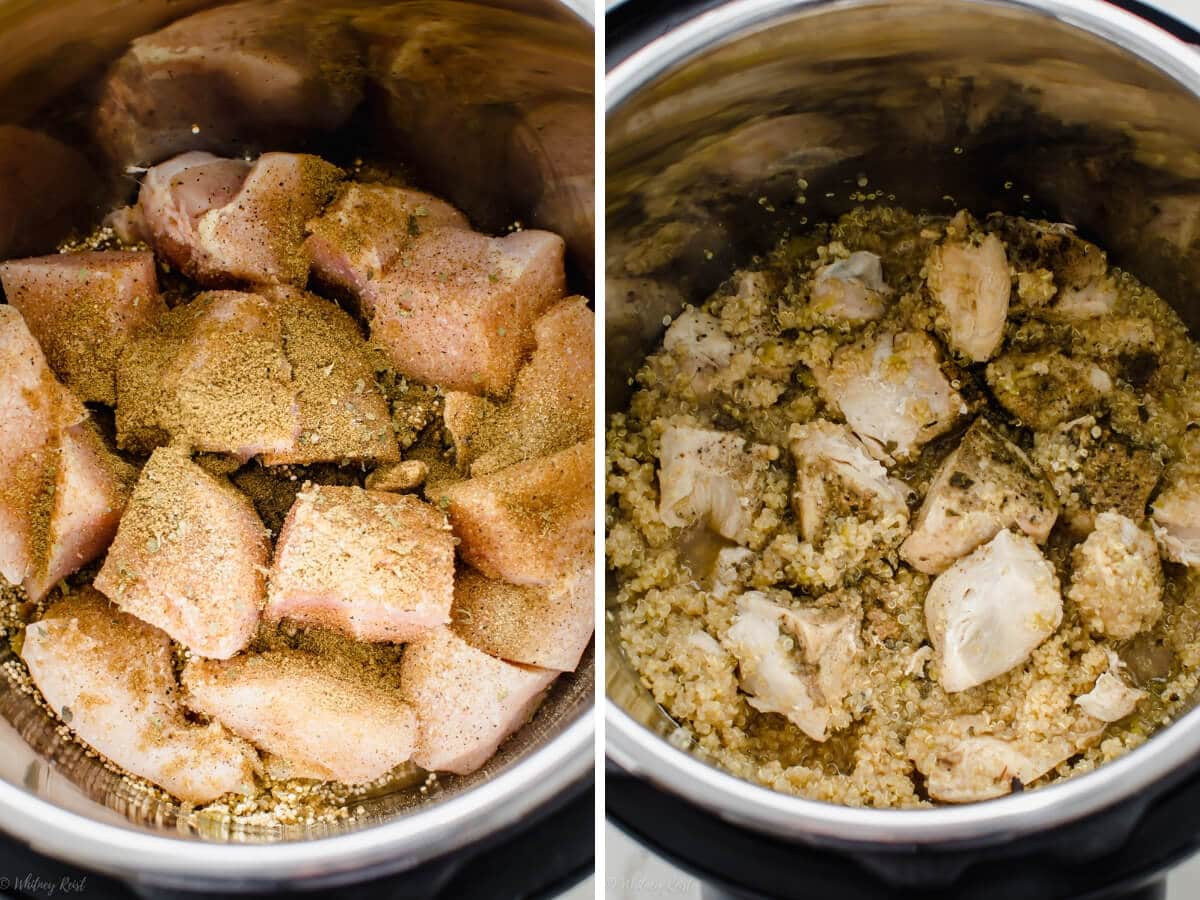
point(907, 513)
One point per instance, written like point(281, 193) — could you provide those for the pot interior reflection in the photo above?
point(487, 105)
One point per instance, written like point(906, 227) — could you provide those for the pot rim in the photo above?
point(643, 753)
point(410, 839)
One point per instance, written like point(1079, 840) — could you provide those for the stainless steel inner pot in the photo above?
point(1071, 110)
point(499, 121)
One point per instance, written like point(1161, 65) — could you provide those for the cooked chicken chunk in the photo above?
point(111, 679)
point(800, 663)
point(212, 373)
point(545, 627)
point(892, 391)
point(326, 718)
point(986, 485)
point(1086, 290)
point(1093, 470)
point(1046, 388)
point(190, 557)
point(285, 375)
point(343, 415)
point(529, 524)
point(851, 289)
point(1117, 583)
point(374, 565)
point(458, 311)
point(83, 308)
point(243, 74)
point(836, 476)
point(988, 611)
point(467, 702)
point(971, 283)
point(61, 489)
point(700, 346)
point(965, 767)
point(1110, 699)
point(1176, 521)
point(226, 221)
point(46, 189)
point(710, 477)
point(360, 235)
point(1074, 272)
point(551, 407)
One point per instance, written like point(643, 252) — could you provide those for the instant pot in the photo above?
point(487, 104)
point(731, 122)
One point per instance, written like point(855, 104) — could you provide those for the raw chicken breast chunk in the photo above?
point(90, 489)
point(374, 565)
point(1117, 581)
point(325, 718)
point(710, 477)
point(190, 557)
point(798, 662)
point(545, 627)
point(110, 677)
point(343, 414)
point(529, 524)
point(283, 375)
point(467, 702)
point(892, 391)
point(212, 373)
point(226, 221)
point(361, 233)
point(986, 485)
point(84, 308)
point(988, 611)
point(458, 309)
point(551, 407)
point(61, 489)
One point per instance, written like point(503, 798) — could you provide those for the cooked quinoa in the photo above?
point(1097, 399)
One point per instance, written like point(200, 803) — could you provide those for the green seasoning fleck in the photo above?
point(421, 211)
point(444, 503)
point(67, 715)
point(152, 545)
point(414, 227)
